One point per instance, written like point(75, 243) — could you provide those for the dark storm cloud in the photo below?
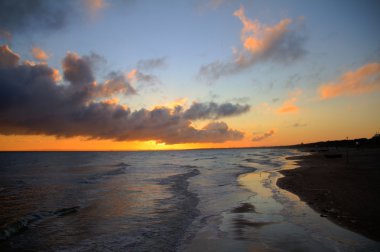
point(33, 101)
point(77, 70)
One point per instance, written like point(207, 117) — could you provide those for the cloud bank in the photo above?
point(280, 43)
point(33, 100)
point(365, 79)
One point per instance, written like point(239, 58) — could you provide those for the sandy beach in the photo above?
point(346, 191)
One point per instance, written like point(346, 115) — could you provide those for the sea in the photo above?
point(189, 200)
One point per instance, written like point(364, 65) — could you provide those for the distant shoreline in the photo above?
point(373, 142)
point(346, 191)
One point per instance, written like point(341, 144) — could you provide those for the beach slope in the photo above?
point(347, 191)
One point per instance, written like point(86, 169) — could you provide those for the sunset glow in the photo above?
point(152, 75)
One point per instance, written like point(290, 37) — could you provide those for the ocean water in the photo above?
point(195, 200)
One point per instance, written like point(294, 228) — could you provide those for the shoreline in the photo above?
point(347, 193)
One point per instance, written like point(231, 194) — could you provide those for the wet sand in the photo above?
point(347, 193)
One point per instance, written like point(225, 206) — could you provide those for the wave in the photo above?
point(96, 178)
point(250, 160)
point(267, 162)
point(23, 223)
point(252, 169)
point(122, 164)
point(174, 216)
point(206, 158)
point(190, 166)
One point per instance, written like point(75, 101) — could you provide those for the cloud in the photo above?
point(180, 102)
point(212, 110)
point(211, 4)
point(298, 125)
point(23, 16)
point(263, 108)
point(150, 64)
point(293, 81)
point(77, 70)
point(365, 79)
point(289, 105)
point(244, 99)
point(281, 43)
point(7, 36)
point(95, 5)
point(33, 102)
point(260, 137)
point(274, 100)
point(39, 54)
point(8, 58)
point(116, 83)
point(137, 76)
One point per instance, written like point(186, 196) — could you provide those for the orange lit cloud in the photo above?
point(39, 54)
point(260, 137)
point(114, 101)
point(137, 76)
point(56, 75)
point(365, 79)
point(289, 105)
point(259, 38)
point(95, 5)
point(132, 74)
point(182, 102)
point(111, 101)
point(280, 43)
point(178, 102)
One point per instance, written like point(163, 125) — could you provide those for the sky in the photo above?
point(153, 75)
